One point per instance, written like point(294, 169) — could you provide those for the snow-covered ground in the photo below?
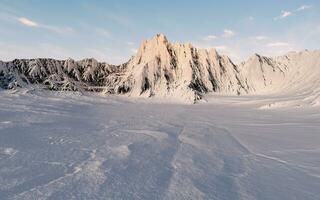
point(56, 145)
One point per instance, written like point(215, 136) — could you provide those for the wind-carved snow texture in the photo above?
point(172, 71)
point(62, 145)
point(66, 145)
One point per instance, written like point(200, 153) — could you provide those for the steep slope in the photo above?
point(294, 76)
point(180, 70)
point(159, 69)
point(303, 77)
point(303, 70)
point(87, 74)
point(263, 74)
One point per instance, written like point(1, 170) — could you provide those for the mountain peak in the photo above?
point(156, 47)
point(160, 68)
point(160, 37)
point(256, 58)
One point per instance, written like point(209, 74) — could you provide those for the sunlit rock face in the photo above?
point(166, 70)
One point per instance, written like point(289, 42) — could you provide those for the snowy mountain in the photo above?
point(86, 74)
point(285, 73)
point(261, 73)
point(163, 69)
point(294, 76)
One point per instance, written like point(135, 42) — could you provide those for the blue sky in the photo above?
point(111, 30)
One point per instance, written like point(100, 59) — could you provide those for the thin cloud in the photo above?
point(278, 44)
point(221, 48)
point(210, 38)
point(304, 7)
point(30, 23)
point(60, 30)
point(260, 37)
point(285, 14)
point(228, 33)
point(27, 22)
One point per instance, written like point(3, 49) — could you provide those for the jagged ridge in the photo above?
point(87, 74)
point(163, 69)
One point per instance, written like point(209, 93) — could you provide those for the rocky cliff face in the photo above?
point(163, 69)
point(68, 74)
point(261, 73)
point(289, 73)
point(159, 69)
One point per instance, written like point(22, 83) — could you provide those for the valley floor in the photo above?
point(68, 146)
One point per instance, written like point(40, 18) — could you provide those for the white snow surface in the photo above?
point(263, 144)
point(67, 145)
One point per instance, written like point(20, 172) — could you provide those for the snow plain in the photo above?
point(56, 145)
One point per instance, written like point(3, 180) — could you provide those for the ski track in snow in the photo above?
point(65, 146)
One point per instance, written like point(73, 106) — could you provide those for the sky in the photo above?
point(112, 30)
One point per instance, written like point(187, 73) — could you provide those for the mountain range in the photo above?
point(167, 70)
